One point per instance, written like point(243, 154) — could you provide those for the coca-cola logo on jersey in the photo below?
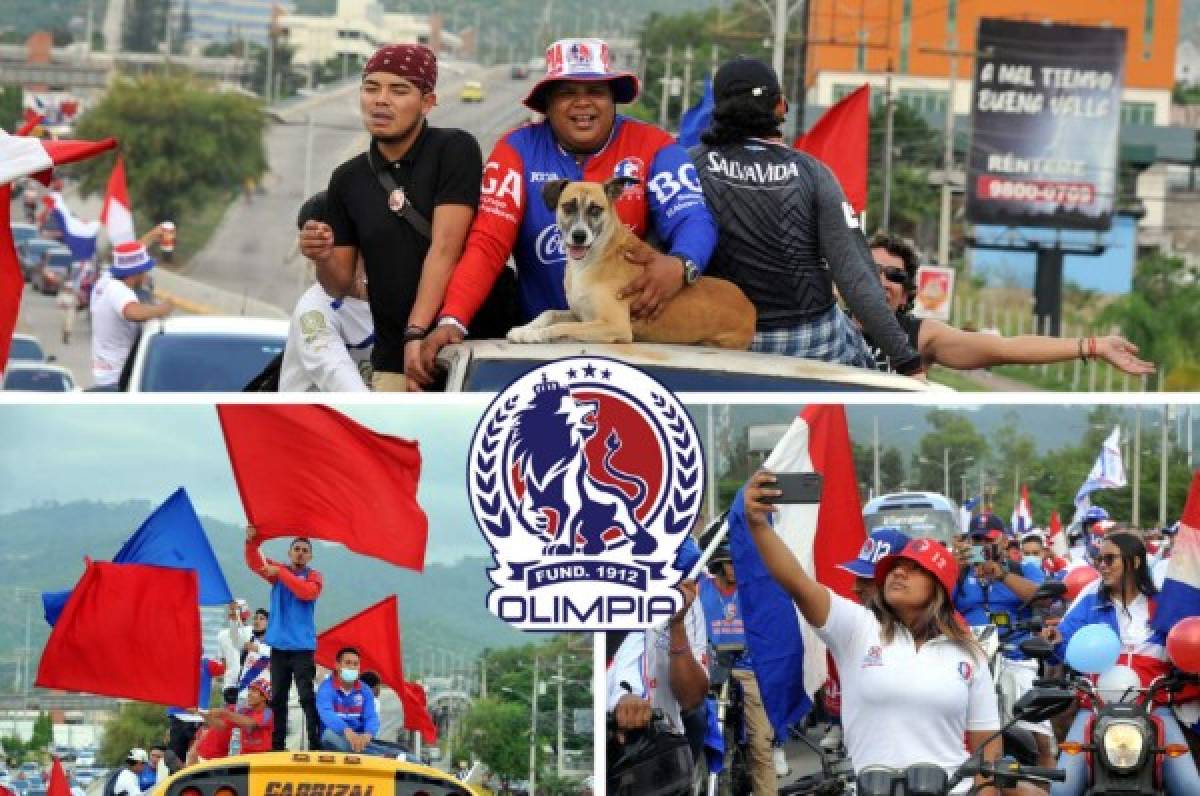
point(550, 247)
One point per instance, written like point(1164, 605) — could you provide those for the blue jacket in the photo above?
point(1090, 609)
point(975, 603)
point(339, 709)
point(293, 603)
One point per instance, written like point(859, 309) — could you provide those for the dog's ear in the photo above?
point(616, 186)
point(552, 191)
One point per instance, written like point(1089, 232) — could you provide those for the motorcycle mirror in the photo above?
point(1040, 704)
point(875, 781)
point(1049, 590)
point(1036, 647)
point(925, 779)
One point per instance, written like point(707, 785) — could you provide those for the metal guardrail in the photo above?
point(40, 701)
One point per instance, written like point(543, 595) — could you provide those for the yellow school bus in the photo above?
point(312, 774)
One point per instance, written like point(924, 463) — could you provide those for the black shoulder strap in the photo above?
point(397, 201)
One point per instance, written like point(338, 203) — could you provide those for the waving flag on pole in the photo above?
point(116, 213)
point(111, 601)
point(30, 122)
point(788, 658)
point(1107, 473)
point(78, 235)
point(286, 488)
point(839, 140)
point(375, 632)
point(1058, 539)
point(171, 536)
point(27, 157)
point(1021, 521)
point(1180, 594)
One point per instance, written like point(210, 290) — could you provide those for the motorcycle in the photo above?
point(734, 777)
point(995, 639)
point(1125, 748)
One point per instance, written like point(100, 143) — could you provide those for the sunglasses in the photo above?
point(897, 276)
point(1108, 559)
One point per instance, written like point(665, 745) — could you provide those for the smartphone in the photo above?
point(977, 554)
point(798, 488)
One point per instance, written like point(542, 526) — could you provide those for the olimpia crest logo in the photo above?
point(585, 476)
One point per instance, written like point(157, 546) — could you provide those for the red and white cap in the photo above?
point(130, 259)
point(930, 555)
point(585, 60)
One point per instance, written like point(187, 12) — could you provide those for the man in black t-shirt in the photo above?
point(406, 205)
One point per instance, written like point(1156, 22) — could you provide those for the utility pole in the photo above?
point(533, 730)
point(782, 15)
point(888, 137)
point(25, 678)
point(666, 89)
point(1137, 465)
point(878, 490)
point(945, 467)
point(1163, 455)
point(560, 715)
point(687, 76)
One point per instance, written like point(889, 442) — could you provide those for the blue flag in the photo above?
point(697, 118)
point(772, 628)
point(171, 536)
point(714, 738)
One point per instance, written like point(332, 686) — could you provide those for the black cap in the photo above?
point(745, 75)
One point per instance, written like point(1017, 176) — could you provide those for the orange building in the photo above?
point(890, 35)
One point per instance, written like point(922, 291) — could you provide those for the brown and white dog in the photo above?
point(711, 311)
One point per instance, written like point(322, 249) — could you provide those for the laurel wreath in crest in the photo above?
point(681, 505)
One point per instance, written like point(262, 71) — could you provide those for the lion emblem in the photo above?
point(564, 502)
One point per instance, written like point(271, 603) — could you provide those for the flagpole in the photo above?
point(1135, 515)
point(1162, 469)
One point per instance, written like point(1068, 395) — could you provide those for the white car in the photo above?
point(38, 377)
point(202, 353)
point(491, 365)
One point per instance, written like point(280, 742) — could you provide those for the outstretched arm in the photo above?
point(810, 596)
point(254, 557)
point(955, 348)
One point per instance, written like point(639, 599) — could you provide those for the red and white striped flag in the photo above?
point(117, 213)
point(27, 157)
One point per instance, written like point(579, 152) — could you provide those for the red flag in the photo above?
point(12, 281)
point(5, 791)
point(839, 140)
point(58, 785)
point(115, 212)
point(307, 470)
point(840, 529)
point(375, 633)
point(30, 122)
point(89, 647)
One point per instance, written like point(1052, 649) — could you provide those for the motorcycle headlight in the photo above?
point(1123, 745)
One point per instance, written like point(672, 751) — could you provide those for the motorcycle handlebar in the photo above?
point(1052, 774)
point(991, 770)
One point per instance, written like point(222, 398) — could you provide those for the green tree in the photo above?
point(1015, 456)
point(1161, 315)
point(43, 732)
point(916, 148)
point(145, 25)
point(10, 107)
point(183, 143)
point(15, 748)
point(953, 432)
point(497, 733)
point(136, 724)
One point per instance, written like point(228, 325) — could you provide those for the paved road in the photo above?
point(253, 251)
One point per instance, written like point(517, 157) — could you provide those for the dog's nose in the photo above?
point(578, 237)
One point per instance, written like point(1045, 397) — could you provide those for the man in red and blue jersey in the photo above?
point(349, 717)
point(581, 139)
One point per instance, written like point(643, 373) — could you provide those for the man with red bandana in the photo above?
point(582, 138)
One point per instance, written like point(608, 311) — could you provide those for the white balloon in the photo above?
point(1115, 685)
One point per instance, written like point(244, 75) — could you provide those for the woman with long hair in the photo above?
point(1123, 598)
point(787, 234)
point(914, 681)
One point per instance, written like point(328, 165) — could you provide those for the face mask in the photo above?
point(349, 675)
point(1034, 560)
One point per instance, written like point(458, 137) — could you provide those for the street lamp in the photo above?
point(875, 438)
point(532, 725)
point(946, 465)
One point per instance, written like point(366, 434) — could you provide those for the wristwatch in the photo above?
point(691, 271)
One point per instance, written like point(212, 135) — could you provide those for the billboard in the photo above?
point(1045, 115)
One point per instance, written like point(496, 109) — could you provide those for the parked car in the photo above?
point(916, 514)
point(472, 91)
point(28, 348)
point(30, 254)
point(491, 365)
point(38, 377)
point(202, 353)
point(53, 272)
point(22, 232)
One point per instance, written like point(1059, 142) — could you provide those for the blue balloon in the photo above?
point(1093, 649)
